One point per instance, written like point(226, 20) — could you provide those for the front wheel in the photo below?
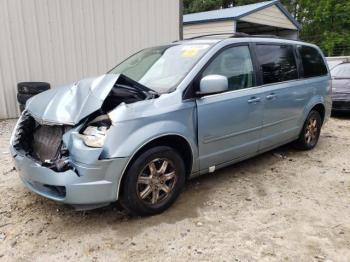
point(311, 131)
point(153, 182)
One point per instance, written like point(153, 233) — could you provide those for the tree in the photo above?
point(327, 24)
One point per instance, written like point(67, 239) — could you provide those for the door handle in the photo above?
point(254, 100)
point(271, 96)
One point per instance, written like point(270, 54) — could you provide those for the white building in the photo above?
point(60, 41)
point(269, 18)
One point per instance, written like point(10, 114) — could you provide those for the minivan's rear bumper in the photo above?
point(82, 185)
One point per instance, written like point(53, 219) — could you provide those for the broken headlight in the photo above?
point(94, 135)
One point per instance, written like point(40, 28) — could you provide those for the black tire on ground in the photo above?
point(23, 98)
point(32, 87)
point(22, 107)
point(153, 181)
point(310, 133)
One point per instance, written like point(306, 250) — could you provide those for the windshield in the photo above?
point(161, 68)
point(341, 71)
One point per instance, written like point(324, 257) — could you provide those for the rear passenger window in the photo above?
point(312, 60)
point(277, 63)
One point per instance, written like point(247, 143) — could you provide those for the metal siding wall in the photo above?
point(193, 30)
point(271, 16)
point(60, 41)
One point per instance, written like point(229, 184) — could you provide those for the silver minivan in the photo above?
point(168, 114)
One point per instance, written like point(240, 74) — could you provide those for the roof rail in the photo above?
point(237, 34)
point(265, 36)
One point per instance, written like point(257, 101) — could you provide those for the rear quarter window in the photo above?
point(313, 63)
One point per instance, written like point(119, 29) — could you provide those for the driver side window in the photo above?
point(235, 63)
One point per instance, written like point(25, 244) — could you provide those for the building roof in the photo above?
point(235, 13)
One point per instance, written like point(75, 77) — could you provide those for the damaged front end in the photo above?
point(42, 143)
point(96, 125)
point(60, 136)
point(40, 133)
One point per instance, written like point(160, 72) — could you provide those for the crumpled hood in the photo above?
point(69, 104)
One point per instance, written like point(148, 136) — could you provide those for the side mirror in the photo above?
point(213, 84)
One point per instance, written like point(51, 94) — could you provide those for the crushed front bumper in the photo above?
point(92, 184)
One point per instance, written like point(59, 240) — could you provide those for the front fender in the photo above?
point(126, 142)
point(127, 138)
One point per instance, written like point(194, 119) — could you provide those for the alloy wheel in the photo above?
point(311, 132)
point(156, 181)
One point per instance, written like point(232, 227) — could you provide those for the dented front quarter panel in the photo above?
point(68, 104)
point(134, 125)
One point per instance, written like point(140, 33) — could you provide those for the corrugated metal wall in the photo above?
point(271, 16)
point(193, 30)
point(60, 41)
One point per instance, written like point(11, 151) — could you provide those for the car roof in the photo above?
point(225, 38)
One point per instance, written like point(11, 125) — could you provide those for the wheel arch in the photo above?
point(317, 103)
point(321, 109)
point(175, 141)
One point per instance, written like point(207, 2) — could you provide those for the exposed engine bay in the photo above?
point(43, 142)
point(125, 90)
point(128, 91)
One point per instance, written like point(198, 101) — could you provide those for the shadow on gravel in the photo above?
point(191, 204)
point(198, 189)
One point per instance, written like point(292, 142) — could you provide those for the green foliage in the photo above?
point(327, 24)
point(324, 22)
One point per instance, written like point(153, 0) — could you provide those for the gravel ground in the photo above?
point(282, 205)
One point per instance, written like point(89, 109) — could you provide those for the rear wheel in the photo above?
point(153, 182)
point(311, 131)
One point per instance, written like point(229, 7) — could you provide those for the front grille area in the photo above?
point(41, 142)
point(47, 141)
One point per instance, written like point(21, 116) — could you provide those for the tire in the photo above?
point(310, 133)
point(23, 98)
point(32, 87)
point(22, 107)
point(141, 184)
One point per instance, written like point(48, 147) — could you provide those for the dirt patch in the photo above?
point(282, 205)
